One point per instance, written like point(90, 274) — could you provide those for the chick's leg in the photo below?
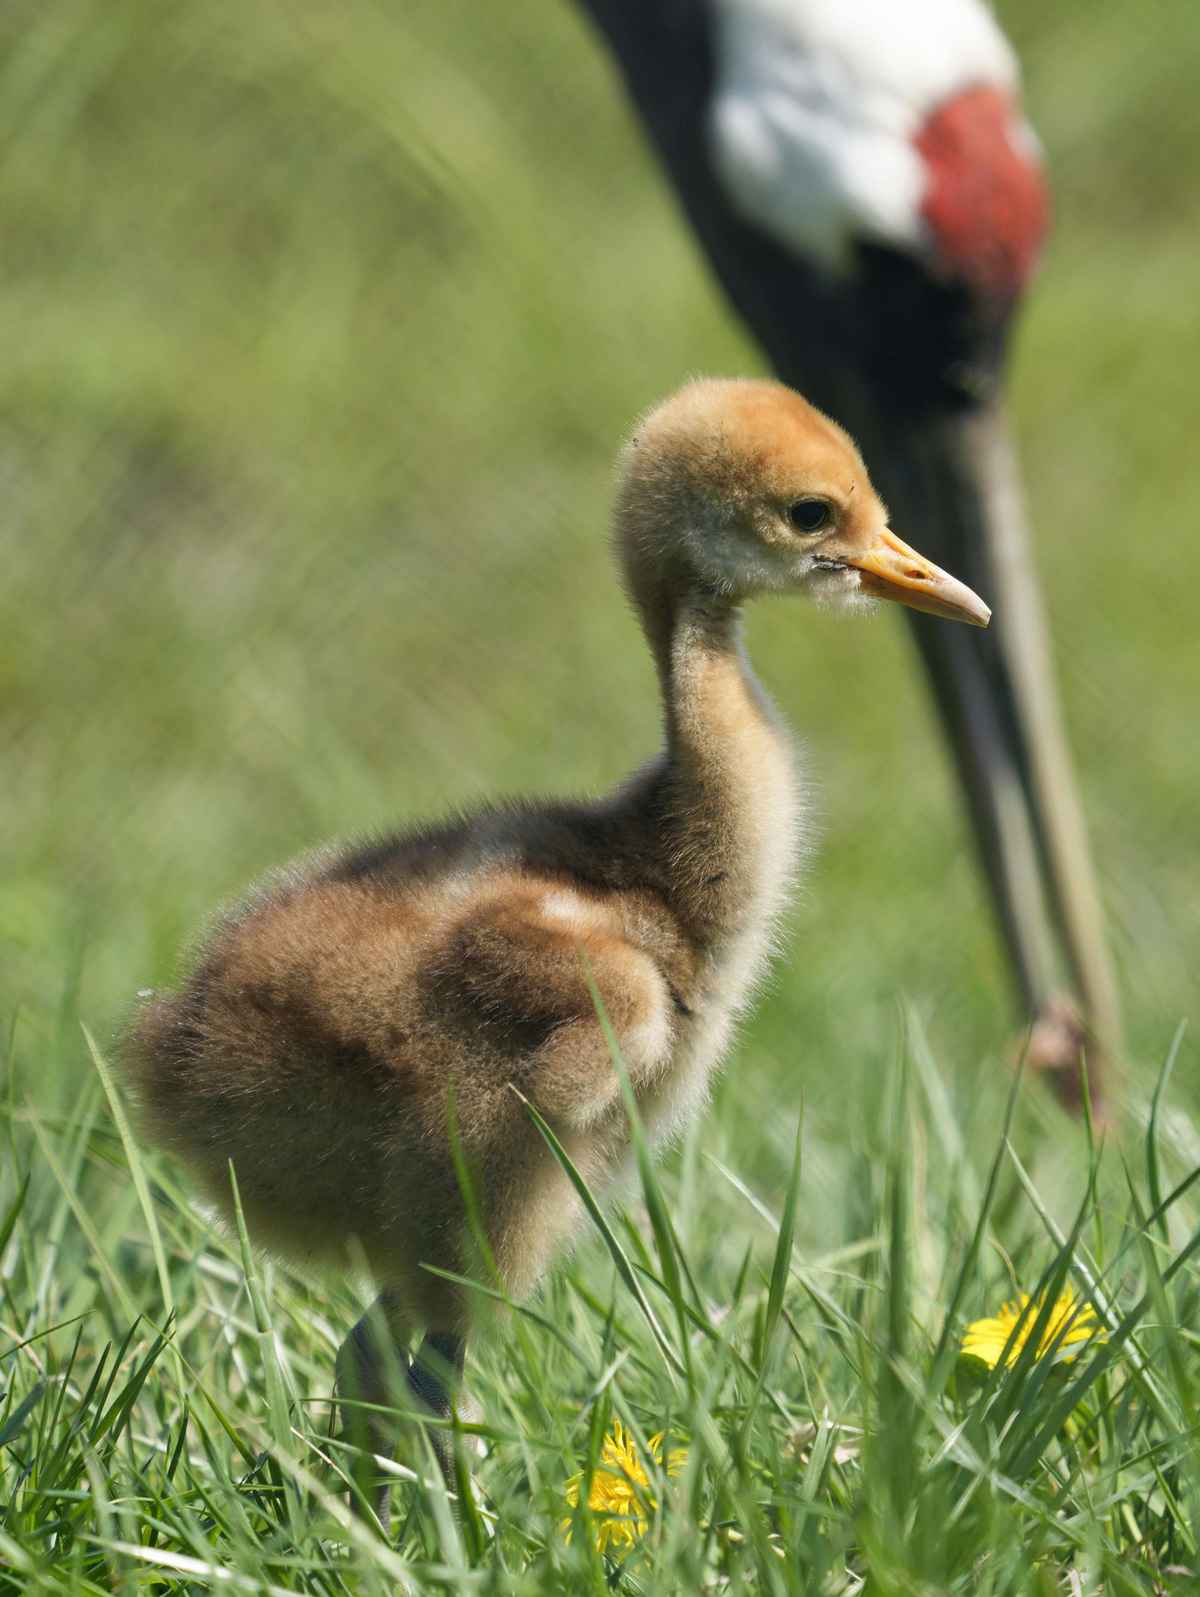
point(374, 1374)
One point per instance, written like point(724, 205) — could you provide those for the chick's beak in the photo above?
point(889, 569)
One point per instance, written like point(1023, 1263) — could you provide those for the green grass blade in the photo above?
point(136, 1170)
point(1153, 1176)
point(665, 1241)
point(616, 1251)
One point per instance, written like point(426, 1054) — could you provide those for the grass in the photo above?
point(165, 1418)
point(320, 327)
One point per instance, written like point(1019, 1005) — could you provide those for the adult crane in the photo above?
point(870, 197)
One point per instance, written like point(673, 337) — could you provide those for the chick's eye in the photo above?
point(810, 515)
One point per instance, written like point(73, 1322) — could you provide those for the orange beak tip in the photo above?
point(890, 569)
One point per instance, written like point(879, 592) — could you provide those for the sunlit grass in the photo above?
point(780, 1420)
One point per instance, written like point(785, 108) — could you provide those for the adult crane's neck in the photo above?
point(729, 802)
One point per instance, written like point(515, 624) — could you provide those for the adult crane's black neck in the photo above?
point(886, 327)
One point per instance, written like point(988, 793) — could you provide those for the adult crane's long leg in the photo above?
point(1052, 792)
point(991, 778)
point(953, 484)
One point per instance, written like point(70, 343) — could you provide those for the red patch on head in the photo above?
point(985, 202)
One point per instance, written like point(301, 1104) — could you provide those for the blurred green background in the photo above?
point(320, 326)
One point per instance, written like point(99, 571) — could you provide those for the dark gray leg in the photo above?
point(371, 1365)
point(435, 1377)
point(372, 1368)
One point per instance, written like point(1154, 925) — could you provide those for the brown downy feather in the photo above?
point(330, 1026)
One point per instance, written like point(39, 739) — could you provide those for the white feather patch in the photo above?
point(817, 103)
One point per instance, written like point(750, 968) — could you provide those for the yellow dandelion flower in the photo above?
point(985, 1339)
point(619, 1496)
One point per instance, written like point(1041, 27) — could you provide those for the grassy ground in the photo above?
point(320, 326)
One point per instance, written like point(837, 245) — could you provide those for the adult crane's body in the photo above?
point(351, 1037)
point(862, 182)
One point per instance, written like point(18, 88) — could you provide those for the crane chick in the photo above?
point(335, 1022)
